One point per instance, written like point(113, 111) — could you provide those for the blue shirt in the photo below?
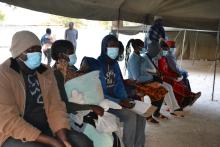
point(136, 70)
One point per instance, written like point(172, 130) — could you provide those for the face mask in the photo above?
point(121, 57)
point(173, 50)
point(33, 60)
point(112, 52)
point(164, 53)
point(143, 50)
point(73, 59)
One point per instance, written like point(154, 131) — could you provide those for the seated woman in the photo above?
point(114, 90)
point(176, 76)
point(62, 51)
point(157, 89)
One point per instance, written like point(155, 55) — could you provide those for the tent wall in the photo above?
point(205, 49)
point(196, 14)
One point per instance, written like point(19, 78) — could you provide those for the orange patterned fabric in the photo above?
point(155, 94)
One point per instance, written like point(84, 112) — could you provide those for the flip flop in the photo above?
point(152, 120)
point(162, 117)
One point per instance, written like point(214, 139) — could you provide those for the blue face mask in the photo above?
point(112, 52)
point(143, 51)
point(172, 50)
point(33, 60)
point(73, 59)
point(164, 53)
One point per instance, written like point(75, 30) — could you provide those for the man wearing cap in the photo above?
point(155, 35)
point(32, 113)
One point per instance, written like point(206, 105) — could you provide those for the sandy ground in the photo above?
point(200, 127)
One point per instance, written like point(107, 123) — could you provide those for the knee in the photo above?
point(131, 117)
point(78, 139)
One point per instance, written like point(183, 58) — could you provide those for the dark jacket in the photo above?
point(110, 74)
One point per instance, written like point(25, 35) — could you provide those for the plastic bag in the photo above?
point(107, 104)
point(107, 123)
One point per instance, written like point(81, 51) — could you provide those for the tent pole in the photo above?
point(177, 35)
point(184, 39)
point(216, 56)
point(195, 46)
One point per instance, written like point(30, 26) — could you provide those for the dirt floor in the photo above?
point(201, 125)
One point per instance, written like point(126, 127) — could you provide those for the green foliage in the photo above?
point(106, 24)
point(2, 16)
point(60, 20)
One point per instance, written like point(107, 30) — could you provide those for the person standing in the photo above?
point(71, 34)
point(46, 42)
point(155, 37)
point(114, 90)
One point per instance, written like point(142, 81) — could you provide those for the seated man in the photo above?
point(114, 90)
point(63, 53)
point(32, 113)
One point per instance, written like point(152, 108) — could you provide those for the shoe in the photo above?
point(198, 94)
point(162, 117)
point(177, 113)
point(152, 120)
point(195, 97)
point(150, 111)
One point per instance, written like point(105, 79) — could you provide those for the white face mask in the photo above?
point(73, 59)
point(33, 60)
point(112, 52)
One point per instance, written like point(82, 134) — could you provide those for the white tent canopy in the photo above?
point(196, 14)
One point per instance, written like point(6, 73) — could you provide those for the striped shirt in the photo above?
point(156, 32)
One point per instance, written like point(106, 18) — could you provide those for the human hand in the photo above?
point(157, 79)
point(49, 141)
point(98, 110)
point(62, 136)
point(58, 143)
point(179, 79)
point(127, 103)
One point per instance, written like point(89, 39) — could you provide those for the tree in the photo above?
point(61, 20)
point(2, 16)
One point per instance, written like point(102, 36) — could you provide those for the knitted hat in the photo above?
point(21, 41)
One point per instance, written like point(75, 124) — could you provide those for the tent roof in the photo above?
point(196, 14)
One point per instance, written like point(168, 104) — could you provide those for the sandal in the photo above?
point(177, 114)
point(162, 117)
point(152, 120)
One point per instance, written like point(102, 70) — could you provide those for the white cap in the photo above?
point(157, 17)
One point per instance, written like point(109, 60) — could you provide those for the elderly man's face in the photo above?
point(33, 49)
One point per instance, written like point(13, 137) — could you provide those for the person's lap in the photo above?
point(10, 142)
point(76, 139)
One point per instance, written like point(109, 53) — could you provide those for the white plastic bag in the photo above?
point(107, 123)
point(107, 104)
